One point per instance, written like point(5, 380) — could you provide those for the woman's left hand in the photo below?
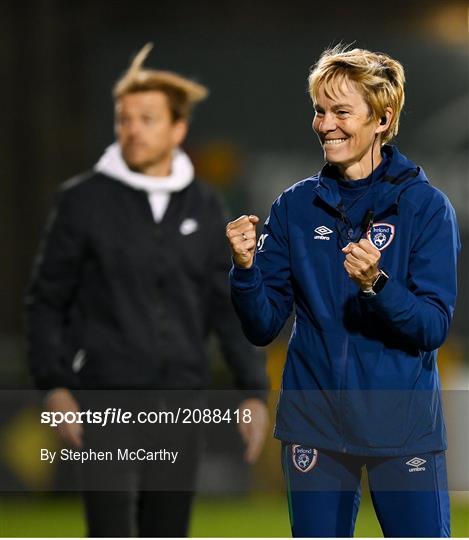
point(362, 263)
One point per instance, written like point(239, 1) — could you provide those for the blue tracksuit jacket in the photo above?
point(361, 372)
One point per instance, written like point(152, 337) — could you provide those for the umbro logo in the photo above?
point(415, 464)
point(322, 233)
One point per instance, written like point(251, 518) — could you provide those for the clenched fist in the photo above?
point(241, 235)
point(362, 262)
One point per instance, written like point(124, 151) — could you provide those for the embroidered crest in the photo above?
point(381, 235)
point(304, 457)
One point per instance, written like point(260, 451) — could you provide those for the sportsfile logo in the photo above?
point(415, 464)
point(323, 233)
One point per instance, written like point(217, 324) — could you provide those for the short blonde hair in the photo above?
point(183, 94)
point(379, 77)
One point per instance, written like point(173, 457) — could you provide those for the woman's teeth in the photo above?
point(334, 141)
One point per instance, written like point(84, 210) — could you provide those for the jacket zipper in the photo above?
point(342, 370)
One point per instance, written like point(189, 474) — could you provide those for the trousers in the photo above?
point(409, 493)
point(132, 497)
point(153, 514)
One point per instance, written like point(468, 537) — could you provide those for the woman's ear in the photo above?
point(385, 120)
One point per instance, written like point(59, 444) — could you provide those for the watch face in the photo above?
point(380, 282)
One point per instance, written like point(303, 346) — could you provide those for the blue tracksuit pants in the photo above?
point(409, 494)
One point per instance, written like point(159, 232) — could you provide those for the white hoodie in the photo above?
point(157, 188)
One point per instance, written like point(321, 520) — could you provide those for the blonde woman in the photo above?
point(365, 254)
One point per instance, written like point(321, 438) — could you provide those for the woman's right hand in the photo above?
point(241, 234)
point(62, 400)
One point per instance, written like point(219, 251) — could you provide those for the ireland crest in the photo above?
point(304, 458)
point(381, 235)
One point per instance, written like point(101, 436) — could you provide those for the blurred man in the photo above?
point(366, 252)
point(129, 281)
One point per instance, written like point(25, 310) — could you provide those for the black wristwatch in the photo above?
point(377, 285)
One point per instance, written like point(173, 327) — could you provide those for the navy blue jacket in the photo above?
point(361, 372)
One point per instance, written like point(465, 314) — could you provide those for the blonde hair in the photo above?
point(183, 94)
point(379, 77)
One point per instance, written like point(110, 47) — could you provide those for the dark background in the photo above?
point(252, 136)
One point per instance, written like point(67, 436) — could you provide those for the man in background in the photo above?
point(129, 282)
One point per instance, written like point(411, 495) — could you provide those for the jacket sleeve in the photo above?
point(55, 278)
point(247, 363)
point(422, 311)
point(263, 294)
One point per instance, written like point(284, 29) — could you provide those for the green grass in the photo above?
point(255, 515)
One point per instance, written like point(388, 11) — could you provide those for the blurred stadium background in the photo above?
point(252, 138)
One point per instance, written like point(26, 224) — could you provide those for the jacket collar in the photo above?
point(397, 176)
point(182, 172)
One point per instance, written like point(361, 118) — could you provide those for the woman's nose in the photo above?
point(327, 123)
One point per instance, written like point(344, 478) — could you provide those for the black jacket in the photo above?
point(119, 301)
